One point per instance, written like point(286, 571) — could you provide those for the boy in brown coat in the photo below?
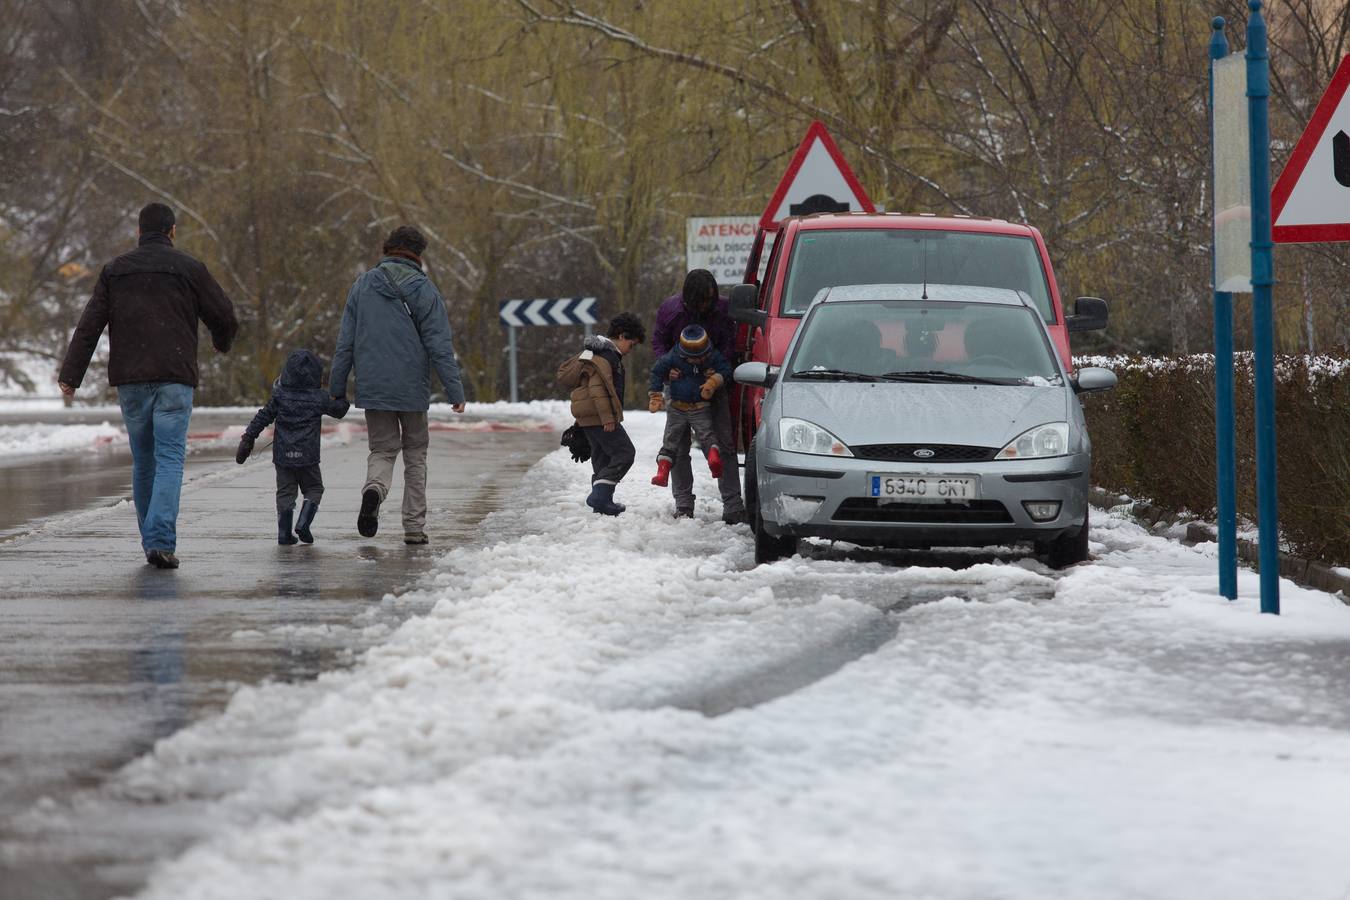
point(596, 377)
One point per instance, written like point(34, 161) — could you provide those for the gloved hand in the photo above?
point(710, 386)
point(655, 402)
point(245, 448)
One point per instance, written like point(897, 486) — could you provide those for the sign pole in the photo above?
point(515, 388)
point(1225, 456)
point(1263, 280)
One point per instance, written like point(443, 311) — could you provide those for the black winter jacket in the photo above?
point(150, 300)
point(298, 406)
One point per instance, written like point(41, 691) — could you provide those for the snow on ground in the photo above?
point(53, 437)
point(34, 439)
point(1119, 731)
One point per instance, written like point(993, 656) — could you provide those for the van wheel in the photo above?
point(768, 547)
point(1068, 549)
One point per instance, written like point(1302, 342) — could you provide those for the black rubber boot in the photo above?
point(308, 510)
point(368, 519)
point(601, 500)
point(284, 535)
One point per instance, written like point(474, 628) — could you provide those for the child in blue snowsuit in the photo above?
point(702, 371)
point(298, 406)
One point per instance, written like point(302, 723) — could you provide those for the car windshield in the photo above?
point(823, 259)
point(923, 341)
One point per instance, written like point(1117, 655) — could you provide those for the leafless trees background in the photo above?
point(554, 147)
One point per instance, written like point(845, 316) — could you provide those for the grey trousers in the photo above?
point(682, 475)
point(388, 433)
point(307, 480)
point(679, 423)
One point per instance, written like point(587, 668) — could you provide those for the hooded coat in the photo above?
point(394, 332)
point(298, 406)
point(596, 379)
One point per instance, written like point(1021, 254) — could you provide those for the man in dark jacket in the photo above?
point(699, 304)
point(394, 331)
point(298, 405)
point(151, 300)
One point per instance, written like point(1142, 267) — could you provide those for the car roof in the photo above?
point(921, 221)
point(937, 293)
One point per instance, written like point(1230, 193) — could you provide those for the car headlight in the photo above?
point(801, 436)
point(1051, 439)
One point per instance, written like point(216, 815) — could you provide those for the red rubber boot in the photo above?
point(662, 476)
point(715, 462)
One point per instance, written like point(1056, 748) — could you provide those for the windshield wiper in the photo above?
point(836, 375)
point(937, 376)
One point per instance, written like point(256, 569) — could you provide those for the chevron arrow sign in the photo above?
point(548, 311)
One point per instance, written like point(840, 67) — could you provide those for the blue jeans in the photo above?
point(156, 416)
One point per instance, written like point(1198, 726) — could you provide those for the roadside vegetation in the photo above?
point(554, 148)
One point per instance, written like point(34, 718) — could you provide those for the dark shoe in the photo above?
point(662, 476)
point(308, 510)
point(161, 559)
point(415, 539)
point(284, 536)
point(735, 518)
point(601, 500)
point(683, 513)
point(368, 519)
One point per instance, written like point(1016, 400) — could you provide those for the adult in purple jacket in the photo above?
point(699, 304)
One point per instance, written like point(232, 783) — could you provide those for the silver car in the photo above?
point(915, 415)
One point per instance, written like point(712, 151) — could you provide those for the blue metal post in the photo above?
point(1225, 458)
point(1263, 280)
point(515, 387)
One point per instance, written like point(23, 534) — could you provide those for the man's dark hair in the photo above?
point(699, 285)
point(155, 217)
point(627, 325)
point(407, 238)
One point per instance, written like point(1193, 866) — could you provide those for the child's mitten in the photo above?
point(710, 386)
point(245, 448)
point(655, 402)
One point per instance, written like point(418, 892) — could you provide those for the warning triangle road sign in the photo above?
point(1311, 199)
point(817, 180)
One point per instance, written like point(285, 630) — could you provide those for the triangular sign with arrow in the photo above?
point(817, 180)
point(1310, 202)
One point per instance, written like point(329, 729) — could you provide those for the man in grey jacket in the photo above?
point(394, 331)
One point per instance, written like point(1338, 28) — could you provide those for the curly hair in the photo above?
point(627, 325)
point(405, 237)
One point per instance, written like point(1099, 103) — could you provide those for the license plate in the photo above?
point(932, 488)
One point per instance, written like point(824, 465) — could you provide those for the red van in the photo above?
point(811, 253)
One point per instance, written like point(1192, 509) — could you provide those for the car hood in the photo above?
point(895, 413)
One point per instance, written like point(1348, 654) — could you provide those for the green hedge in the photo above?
point(1153, 437)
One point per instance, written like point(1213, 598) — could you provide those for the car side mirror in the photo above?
point(756, 373)
point(744, 306)
point(1091, 379)
point(1089, 314)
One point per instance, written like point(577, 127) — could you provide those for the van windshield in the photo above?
point(823, 259)
point(923, 341)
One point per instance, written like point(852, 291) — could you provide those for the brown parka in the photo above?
point(595, 401)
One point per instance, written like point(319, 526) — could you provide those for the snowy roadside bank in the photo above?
point(1023, 735)
point(78, 429)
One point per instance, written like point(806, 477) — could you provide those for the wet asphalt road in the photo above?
point(101, 655)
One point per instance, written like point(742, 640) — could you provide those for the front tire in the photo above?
point(1068, 549)
point(768, 547)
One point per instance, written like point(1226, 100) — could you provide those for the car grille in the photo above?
point(975, 512)
point(942, 453)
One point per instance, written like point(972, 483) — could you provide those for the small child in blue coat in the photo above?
point(702, 371)
point(298, 406)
